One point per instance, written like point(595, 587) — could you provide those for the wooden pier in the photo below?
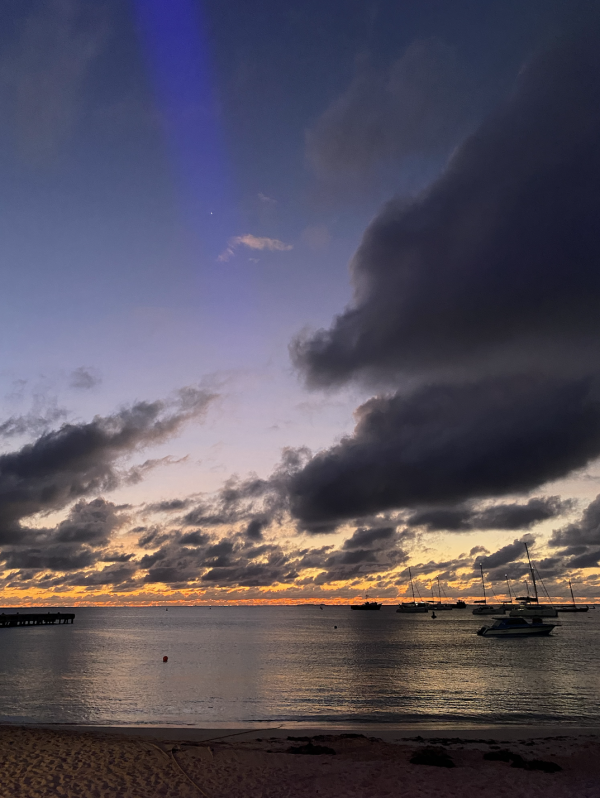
point(35, 618)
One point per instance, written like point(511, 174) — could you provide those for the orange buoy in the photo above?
point(165, 659)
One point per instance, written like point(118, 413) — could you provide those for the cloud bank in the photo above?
point(475, 311)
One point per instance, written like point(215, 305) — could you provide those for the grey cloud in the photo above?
point(75, 543)
point(54, 557)
point(513, 551)
point(89, 522)
point(494, 266)
point(581, 540)
point(365, 537)
point(480, 299)
point(590, 559)
point(114, 575)
point(33, 423)
point(169, 506)
point(448, 444)
point(84, 379)
point(79, 459)
point(498, 516)
point(196, 538)
point(254, 529)
point(418, 107)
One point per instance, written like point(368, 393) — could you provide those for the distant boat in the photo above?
point(412, 607)
point(516, 627)
point(368, 605)
point(484, 608)
point(573, 607)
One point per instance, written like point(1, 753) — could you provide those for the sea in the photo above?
point(296, 666)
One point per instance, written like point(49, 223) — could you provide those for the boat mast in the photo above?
point(412, 587)
point(439, 590)
point(508, 586)
point(532, 575)
point(483, 583)
point(571, 589)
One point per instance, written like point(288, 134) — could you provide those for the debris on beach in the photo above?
point(517, 761)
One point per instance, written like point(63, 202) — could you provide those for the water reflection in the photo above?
point(289, 664)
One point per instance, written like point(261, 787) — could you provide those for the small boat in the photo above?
point(368, 605)
point(412, 607)
point(573, 607)
point(516, 627)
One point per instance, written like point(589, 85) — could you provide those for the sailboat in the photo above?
point(531, 607)
point(439, 605)
point(485, 608)
point(573, 607)
point(412, 607)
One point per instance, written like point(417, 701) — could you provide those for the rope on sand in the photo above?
point(189, 778)
point(172, 757)
point(237, 734)
point(212, 739)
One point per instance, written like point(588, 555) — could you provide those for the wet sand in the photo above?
point(37, 762)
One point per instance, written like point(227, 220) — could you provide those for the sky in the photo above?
point(297, 296)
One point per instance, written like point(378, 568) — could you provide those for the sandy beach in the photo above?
point(40, 762)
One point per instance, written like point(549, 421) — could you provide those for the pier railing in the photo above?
point(35, 618)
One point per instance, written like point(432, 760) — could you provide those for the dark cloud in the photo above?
point(84, 379)
point(499, 516)
point(368, 551)
point(581, 540)
point(367, 537)
point(497, 261)
point(114, 575)
point(478, 302)
point(196, 538)
point(170, 506)
point(416, 108)
point(450, 443)
point(89, 522)
point(75, 543)
point(254, 529)
point(507, 554)
point(79, 459)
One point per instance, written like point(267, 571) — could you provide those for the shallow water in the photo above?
point(244, 665)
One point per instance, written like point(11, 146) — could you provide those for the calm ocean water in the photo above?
point(287, 665)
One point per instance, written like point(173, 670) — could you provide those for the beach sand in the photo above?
point(40, 762)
